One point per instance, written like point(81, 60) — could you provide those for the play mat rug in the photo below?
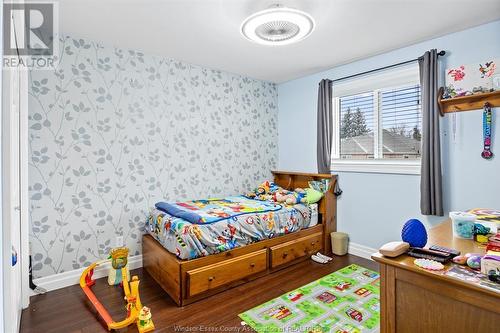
point(344, 301)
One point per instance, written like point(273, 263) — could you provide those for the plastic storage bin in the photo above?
point(463, 224)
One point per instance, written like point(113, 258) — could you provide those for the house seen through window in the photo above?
point(381, 124)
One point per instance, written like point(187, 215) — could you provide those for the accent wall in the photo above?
point(113, 131)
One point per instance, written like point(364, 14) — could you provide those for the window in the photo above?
point(378, 123)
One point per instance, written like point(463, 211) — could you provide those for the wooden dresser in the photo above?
point(416, 300)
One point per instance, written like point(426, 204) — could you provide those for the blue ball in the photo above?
point(414, 233)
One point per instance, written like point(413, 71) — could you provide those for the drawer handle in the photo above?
point(285, 254)
point(312, 243)
point(211, 278)
point(252, 264)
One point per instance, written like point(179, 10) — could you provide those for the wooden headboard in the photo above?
point(328, 204)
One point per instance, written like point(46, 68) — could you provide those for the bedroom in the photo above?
point(320, 128)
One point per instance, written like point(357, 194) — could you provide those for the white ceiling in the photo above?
point(206, 32)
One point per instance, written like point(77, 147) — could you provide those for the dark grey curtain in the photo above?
point(431, 192)
point(325, 126)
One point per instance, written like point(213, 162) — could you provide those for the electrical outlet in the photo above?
point(119, 241)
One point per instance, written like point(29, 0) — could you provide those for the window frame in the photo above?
point(392, 80)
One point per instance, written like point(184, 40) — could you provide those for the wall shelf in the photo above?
point(467, 103)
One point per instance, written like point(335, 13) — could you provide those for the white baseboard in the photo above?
point(361, 250)
point(70, 278)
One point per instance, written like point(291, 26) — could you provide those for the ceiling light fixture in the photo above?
point(277, 26)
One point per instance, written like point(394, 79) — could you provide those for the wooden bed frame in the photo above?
point(187, 281)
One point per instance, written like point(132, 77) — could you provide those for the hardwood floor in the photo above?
point(68, 310)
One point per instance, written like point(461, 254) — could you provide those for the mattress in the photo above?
point(187, 240)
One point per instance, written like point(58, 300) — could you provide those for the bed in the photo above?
point(191, 261)
point(190, 240)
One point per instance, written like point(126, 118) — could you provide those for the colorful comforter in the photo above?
point(187, 240)
point(214, 210)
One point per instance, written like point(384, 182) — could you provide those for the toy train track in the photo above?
point(136, 313)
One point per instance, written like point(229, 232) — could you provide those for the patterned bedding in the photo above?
point(208, 211)
point(188, 241)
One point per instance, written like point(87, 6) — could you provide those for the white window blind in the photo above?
point(378, 123)
point(401, 122)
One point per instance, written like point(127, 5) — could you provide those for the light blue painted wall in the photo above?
point(374, 207)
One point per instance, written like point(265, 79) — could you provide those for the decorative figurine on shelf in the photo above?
point(414, 233)
point(119, 262)
point(145, 321)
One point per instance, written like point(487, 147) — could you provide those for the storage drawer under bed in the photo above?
point(210, 277)
point(297, 248)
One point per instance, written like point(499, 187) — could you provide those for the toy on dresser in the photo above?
point(485, 263)
point(490, 264)
point(414, 233)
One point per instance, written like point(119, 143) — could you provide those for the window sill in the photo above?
point(381, 166)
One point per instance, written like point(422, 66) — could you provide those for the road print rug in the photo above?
point(347, 300)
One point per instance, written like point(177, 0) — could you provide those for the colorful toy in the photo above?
point(461, 260)
point(119, 262)
point(430, 265)
point(493, 243)
point(284, 196)
point(480, 229)
point(145, 322)
point(299, 195)
point(414, 233)
point(487, 153)
point(474, 262)
point(264, 191)
point(486, 215)
point(463, 224)
point(481, 233)
point(494, 275)
point(269, 191)
point(136, 313)
point(311, 195)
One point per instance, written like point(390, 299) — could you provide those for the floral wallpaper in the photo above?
point(113, 131)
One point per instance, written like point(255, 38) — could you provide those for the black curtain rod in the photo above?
point(440, 53)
